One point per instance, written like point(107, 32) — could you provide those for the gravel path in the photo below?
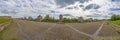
point(23, 32)
point(43, 33)
point(98, 30)
point(35, 36)
point(79, 31)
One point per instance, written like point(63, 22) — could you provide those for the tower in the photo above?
point(39, 18)
point(60, 19)
point(80, 19)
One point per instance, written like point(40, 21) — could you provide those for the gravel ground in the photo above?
point(13, 32)
point(33, 28)
point(89, 28)
point(107, 31)
point(62, 32)
point(50, 31)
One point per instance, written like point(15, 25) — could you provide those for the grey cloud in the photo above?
point(110, 13)
point(74, 7)
point(69, 8)
point(81, 5)
point(92, 6)
point(64, 3)
point(67, 15)
point(106, 16)
point(94, 15)
point(6, 11)
point(53, 11)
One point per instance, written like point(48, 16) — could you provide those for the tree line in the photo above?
point(115, 17)
point(47, 18)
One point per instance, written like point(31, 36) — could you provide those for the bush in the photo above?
point(115, 17)
point(69, 20)
point(47, 18)
point(116, 22)
point(12, 39)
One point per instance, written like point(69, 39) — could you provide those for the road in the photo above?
point(29, 30)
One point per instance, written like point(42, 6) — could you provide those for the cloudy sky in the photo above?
point(69, 8)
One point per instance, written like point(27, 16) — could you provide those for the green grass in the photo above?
point(12, 38)
point(116, 22)
point(5, 30)
point(2, 20)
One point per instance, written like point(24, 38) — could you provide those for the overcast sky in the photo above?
point(68, 8)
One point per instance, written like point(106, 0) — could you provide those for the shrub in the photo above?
point(115, 17)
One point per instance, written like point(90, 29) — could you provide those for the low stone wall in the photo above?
point(3, 25)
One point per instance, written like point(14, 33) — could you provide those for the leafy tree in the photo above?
point(115, 17)
point(39, 18)
point(66, 20)
point(74, 20)
point(69, 20)
point(47, 18)
point(118, 17)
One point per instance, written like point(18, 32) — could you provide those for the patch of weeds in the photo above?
point(12, 38)
point(3, 20)
point(5, 30)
